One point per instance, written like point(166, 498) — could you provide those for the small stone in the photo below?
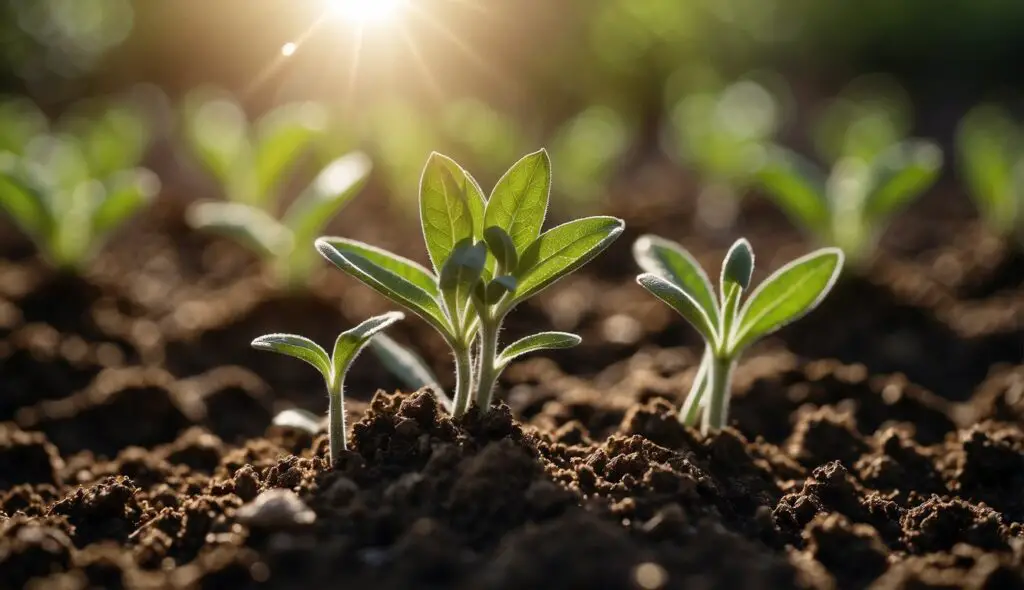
point(276, 509)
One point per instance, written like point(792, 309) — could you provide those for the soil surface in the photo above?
point(878, 443)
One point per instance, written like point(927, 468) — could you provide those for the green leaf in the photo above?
point(217, 128)
point(989, 142)
point(403, 267)
point(24, 203)
point(797, 186)
point(400, 361)
point(445, 213)
point(690, 412)
point(298, 347)
point(787, 295)
point(335, 186)
point(535, 342)
point(491, 292)
point(351, 342)
point(252, 227)
point(682, 302)
point(519, 202)
point(561, 250)
point(502, 248)
point(281, 137)
point(669, 260)
point(112, 141)
point(20, 121)
point(738, 267)
point(388, 283)
point(127, 192)
point(460, 274)
point(901, 173)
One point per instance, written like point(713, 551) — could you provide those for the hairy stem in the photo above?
point(336, 423)
point(717, 410)
point(488, 354)
point(463, 380)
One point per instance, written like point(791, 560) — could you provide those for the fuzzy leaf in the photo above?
point(669, 260)
point(682, 302)
point(298, 347)
point(335, 186)
point(460, 274)
point(445, 213)
point(901, 173)
point(387, 282)
point(252, 227)
point(535, 342)
point(787, 295)
point(281, 137)
point(351, 342)
point(797, 186)
point(502, 248)
point(403, 267)
point(561, 250)
point(738, 267)
point(519, 202)
point(690, 412)
point(127, 192)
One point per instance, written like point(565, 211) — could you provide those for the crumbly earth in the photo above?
point(877, 444)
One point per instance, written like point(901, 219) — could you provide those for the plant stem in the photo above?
point(336, 423)
point(488, 354)
point(463, 380)
point(718, 403)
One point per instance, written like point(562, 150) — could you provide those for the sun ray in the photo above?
point(287, 51)
point(421, 65)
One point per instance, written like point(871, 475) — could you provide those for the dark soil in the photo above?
point(877, 443)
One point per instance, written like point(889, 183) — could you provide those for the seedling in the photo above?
point(250, 160)
point(868, 116)
point(333, 368)
point(852, 205)
point(282, 242)
point(991, 149)
point(488, 256)
point(70, 185)
point(674, 276)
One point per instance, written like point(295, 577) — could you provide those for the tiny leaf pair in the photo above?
point(850, 207)
point(282, 242)
point(727, 323)
point(332, 367)
point(488, 255)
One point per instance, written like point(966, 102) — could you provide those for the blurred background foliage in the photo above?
point(602, 83)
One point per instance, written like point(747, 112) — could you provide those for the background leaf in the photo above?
point(561, 250)
point(901, 173)
point(335, 186)
point(252, 227)
point(796, 185)
point(281, 137)
point(126, 193)
point(519, 202)
point(298, 347)
point(24, 203)
point(218, 130)
point(989, 144)
point(669, 260)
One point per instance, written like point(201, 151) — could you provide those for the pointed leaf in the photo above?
point(738, 267)
point(387, 282)
point(502, 248)
point(561, 250)
point(218, 131)
point(402, 362)
point(787, 295)
point(403, 267)
point(682, 302)
point(335, 186)
point(669, 260)
point(127, 192)
point(298, 347)
point(351, 342)
point(252, 227)
point(519, 202)
point(901, 173)
point(460, 274)
point(796, 185)
point(281, 137)
point(25, 204)
point(535, 342)
point(445, 213)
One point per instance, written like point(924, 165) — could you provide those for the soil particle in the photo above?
point(27, 458)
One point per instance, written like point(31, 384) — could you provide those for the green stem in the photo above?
point(488, 354)
point(336, 423)
point(717, 410)
point(463, 380)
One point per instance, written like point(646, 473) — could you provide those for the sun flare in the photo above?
point(365, 12)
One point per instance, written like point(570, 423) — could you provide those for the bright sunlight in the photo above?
point(365, 12)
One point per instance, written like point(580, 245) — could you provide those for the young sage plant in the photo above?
point(488, 256)
point(991, 150)
point(850, 206)
point(727, 323)
point(283, 243)
point(332, 367)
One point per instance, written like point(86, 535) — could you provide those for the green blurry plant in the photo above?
point(332, 367)
point(68, 185)
point(283, 243)
point(719, 134)
point(587, 149)
point(991, 149)
point(488, 256)
point(674, 276)
point(871, 114)
point(250, 160)
point(851, 206)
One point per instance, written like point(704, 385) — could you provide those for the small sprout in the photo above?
point(851, 206)
point(674, 276)
point(333, 368)
point(70, 185)
point(991, 149)
point(280, 241)
point(488, 256)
